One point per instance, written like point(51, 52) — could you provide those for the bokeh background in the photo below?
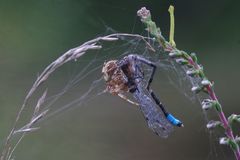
point(34, 33)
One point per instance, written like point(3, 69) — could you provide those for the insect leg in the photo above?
point(151, 64)
point(126, 99)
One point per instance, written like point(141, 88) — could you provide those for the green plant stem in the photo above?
point(172, 25)
point(170, 47)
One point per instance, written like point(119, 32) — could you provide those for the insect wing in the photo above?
point(152, 113)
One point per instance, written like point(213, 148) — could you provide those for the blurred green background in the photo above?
point(34, 33)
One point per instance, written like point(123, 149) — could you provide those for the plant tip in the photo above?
point(143, 13)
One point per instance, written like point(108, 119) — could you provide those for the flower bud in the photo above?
point(234, 118)
point(192, 72)
point(227, 141)
point(182, 61)
point(206, 82)
point(144, 14)
point(213, 124)
point(194, 57)
point(207, 104)
point(196, 89)
point(237, 139)
point(224, 140)
point(175, 54)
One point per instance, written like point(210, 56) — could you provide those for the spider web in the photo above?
point(77, 83)
point(81, 81)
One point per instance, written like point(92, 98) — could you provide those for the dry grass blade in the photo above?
point(70, 55)
point(35, 119)
point(40, 103)
point(26, 130)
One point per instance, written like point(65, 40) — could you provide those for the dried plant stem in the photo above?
point(72, 54)
point(195, 70)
